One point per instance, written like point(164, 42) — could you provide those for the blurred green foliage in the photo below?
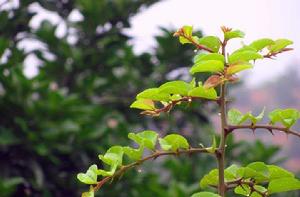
point(54, 124)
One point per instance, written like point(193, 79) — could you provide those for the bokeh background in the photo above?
point(69, 69)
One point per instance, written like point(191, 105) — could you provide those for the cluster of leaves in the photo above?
point(249, 180)
point(170, 94)
point(235, 117)
point(256, 179)
point(113, 157)
point(287, 117)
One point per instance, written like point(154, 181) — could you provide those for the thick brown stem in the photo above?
point(221, 151)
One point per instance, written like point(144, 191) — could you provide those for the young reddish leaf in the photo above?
point(212, 81)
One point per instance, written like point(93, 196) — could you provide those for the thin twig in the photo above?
point(251, 184)
point(273, 54)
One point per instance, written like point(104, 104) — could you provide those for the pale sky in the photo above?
point(257, 18)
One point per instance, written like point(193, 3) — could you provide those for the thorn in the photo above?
point(271, 131)
point(253, 131)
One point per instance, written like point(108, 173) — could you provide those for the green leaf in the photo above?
point(134, 154)
point(90, 177)
point(203, 93)
point(211, 42)
point(210, 179)
point(246, 191)
point(274, 116)
point(114, 158)
point(232, 69)
point(246, 173)
point(245, 48)
point(256, 170)
point(193, 82)
point(153, 94)
point(234, 34)
point(255, 119)
point(231, 171)
point(89, 193)
point(261, 43)
point(279, 45)
point(183, 40)
point(209, 56)
point(187, 31)
point(260, 167)
point(146, 138)
point(243, 56)
point(113, 155)
point(175, 97)
point(205, 194)
point(278, 172)
point(175, 87)
point(283, 185)
point(207, 66)
point(287, 117)
point(144, 104)
point(235, 117)
point(173, 142)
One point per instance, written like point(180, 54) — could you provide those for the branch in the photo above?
point(199, 46)
point(250, 183)
point(270, 128)
point(181, 32)
point(155, 155)
point(273, 54)
point(168, 107)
